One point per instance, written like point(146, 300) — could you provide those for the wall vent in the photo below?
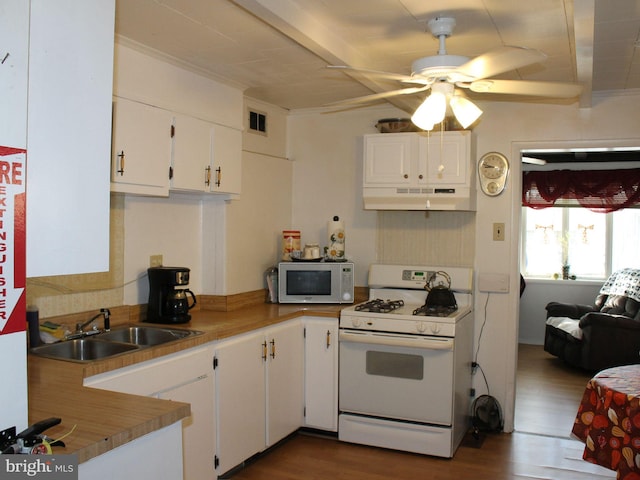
point(258, 122)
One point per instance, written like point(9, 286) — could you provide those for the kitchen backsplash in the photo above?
point(426, 238)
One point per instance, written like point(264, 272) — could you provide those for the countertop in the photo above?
point(103, 420)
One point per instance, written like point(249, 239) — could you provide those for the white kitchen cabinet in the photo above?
point(285, 384)
point(185, 377)
point(390, 159)
point(444, 159)
point(141, 153)
point(321, 373)
point(191, 157)
point(416, 171)
point(240, 399)
point(259, 387)
point(226, 174)
point(69, 136)
point(153, 456)
point(14, 53)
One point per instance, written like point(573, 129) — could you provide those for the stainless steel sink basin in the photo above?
point(146, 336)
point(83, 349)
point(115, 342)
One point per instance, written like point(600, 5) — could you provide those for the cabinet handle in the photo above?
point(170, 173)
point(406, 175)
point(420, 176)
point(264, 350)
point(207, 176)
point(121, 163)
point(328, 338)
point(273, 348)
point(218, 176)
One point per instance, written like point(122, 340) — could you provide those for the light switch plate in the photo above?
point(493, 282)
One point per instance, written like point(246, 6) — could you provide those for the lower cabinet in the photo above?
point(321, 373)
point(151, 457)
point(259, 391)
point(184, 377)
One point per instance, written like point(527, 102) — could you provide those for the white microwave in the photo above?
point(315, 282)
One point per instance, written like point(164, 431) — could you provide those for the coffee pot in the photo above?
point(177, 303)
point(168, 304)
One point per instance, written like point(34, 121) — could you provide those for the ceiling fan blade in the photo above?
point(378, 96)
point(524, 87)
point(377, 73)
point(500, 60)
point(534, 161)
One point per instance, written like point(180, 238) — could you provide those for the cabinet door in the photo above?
point(69, 135)
point(141, 153)
point(388, 158)
point(321, 373)
point(14, 52)
point(198, 441)
point(240, 396)
point(444, 159)
point(284, 380)
point(184, 377)
point(191, 157)
point(227, 160)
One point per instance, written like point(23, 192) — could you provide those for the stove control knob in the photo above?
point(421, 327)
point(356, 322)
point(435, 328)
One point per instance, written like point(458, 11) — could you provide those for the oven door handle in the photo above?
point(414, 341)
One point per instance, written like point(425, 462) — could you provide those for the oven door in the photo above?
point(404, 377)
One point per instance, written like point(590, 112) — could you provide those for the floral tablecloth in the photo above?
point(608, 421)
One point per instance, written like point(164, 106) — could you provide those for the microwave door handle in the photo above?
point(427, 343)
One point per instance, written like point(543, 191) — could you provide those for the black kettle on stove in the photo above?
point(440, 294)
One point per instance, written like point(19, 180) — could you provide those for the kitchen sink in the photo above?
point(83, 349)
point(114, 342)
point(147, 336)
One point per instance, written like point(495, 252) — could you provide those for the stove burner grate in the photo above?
point(434, 311)
point(379, 306)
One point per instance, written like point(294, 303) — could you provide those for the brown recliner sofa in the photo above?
point(599, 336)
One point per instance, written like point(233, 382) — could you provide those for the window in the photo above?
point(587, 244)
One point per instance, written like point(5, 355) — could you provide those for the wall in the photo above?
point(326, 151)
point(173, 227)
point(538, 293)
point(255, 221)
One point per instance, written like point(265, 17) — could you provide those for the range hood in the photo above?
point(454, 198)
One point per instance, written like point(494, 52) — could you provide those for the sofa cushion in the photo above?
point(568, 325)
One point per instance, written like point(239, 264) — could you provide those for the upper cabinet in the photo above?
point(141, 153)
point(69, 136)
point(206, 157)
point(191, 157)
point(416, 171)
point(156, 151)
point(227, 160)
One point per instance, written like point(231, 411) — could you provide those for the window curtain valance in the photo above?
point(598, 190)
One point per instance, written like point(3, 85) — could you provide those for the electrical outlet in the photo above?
point(498, 232)
point(155, 261)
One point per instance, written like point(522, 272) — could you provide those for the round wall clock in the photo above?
point(492, 170)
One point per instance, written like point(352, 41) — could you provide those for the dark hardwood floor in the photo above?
point(540, 448)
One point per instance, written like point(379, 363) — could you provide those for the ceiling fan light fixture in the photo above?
point(433, 109)
point(465, 111)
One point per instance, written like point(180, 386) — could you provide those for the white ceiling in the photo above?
point(278, 50)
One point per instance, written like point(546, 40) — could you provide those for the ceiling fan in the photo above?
point(446, 74)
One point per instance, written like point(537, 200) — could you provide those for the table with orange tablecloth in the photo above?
point(608, 421)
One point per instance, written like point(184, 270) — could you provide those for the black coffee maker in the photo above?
point(168, 304)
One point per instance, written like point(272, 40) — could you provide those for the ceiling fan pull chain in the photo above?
point(441, 167)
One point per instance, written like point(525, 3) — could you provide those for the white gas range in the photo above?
point(405, 365)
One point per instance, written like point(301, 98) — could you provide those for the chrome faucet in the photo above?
point(104, 312)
